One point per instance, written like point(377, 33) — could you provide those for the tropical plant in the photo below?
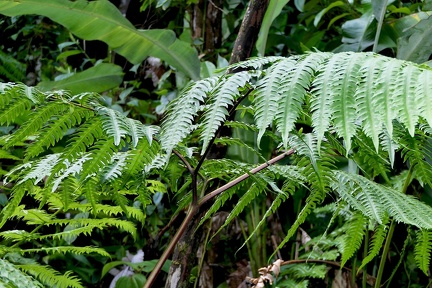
point(329, 108)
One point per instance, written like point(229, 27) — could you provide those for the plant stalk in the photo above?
point(390, 235)
point(195, 208)
point(190, 214)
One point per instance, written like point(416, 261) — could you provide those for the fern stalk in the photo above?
point(193, 209)
point(365, 253)
point(390, 235)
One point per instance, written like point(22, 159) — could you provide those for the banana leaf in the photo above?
point(101, 20)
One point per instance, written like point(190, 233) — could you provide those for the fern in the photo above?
point(306, 270)
point(55, 250)
point(375, 201)
point(222, 97)
point(181, 113)
point(422, 249)
point(293, 89)
point(267, 94)
point(51, 277)
point(56, 129)
point(375, 245)
point(11, 276)
point(353, 237)
point(12, 69)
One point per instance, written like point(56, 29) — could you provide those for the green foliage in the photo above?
point(11, 276)
point(109, 25)
point(81, 181)
point(92, 161)
point(423, 249)
point(11, 68)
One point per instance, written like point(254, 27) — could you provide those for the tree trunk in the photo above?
point(184, 257)
point(206, 24)
point(249, 29)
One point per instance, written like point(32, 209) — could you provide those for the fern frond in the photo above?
point(84, 137)
point(182, 111)
point(221, 97)
point(12, 69)
point(19, 107)
point(71, 169)
point(375, 245)
point(255, 62)
point(33, 216)
point(220, 201)
point(244, 201)
point(313, 199)
point(18, 193)
point(91, 192)
point(316, 162)
point(56, 129)
point(101, 154)
point(268, 93)
point(57, 249)
point(423, 87)
point(137, 130)
point(353, 237)
point(371, 98)
point(422, 249)
point(307, 271)
point(116, 167)
point(293, 88)
point(42, 168)
point(51, 277)
point(11, 276)
point(114, 124)
point(417, 150)
point(36, 121)
point(282, 195)
point(291, 283)
point(228, 141)
point(371, 161)
point(137, 159)
point(376, 201)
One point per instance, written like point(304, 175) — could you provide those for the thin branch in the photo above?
point(189, 216)
point(194, 177)
point(183, 159)
point(194, 208)
point(239, 179)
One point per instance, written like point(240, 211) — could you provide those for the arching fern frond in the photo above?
point(377, 201)
point(56, 128)
point(221, 97)
point(375, 245)
point(11, 276)
point(293, 88)
point(350, 242)
point(422, 249)
point(267, 94)
point(51, 277)
point(182, 111)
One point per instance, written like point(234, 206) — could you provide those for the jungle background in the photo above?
point(38, 51)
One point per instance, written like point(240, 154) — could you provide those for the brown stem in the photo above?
point(194, 208)
point(190, 214)
point(249, 30)
point(194, 173)
point(234, 182)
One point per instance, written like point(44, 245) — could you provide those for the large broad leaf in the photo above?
point(96, 79)
point(359, 34)
point(273, 10)
point(101, 20)
point(415, 41)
